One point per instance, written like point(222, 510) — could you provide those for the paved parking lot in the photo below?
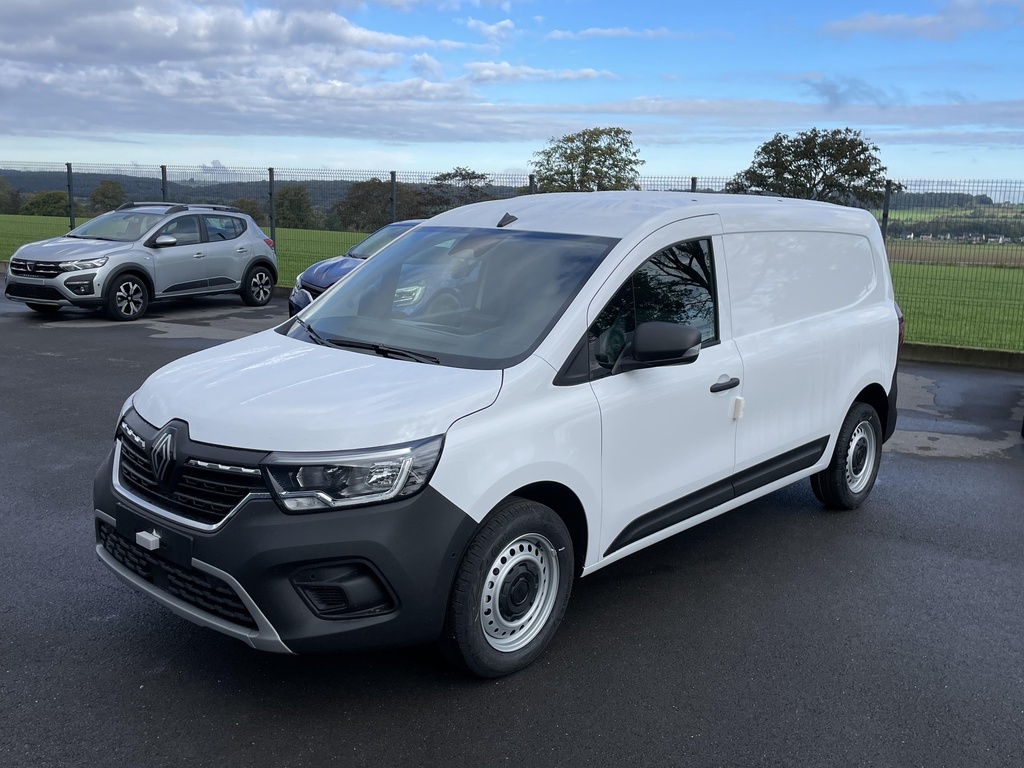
point(777, 634)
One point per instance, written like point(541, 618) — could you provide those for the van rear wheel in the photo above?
point(510, 590)
point(848, 479)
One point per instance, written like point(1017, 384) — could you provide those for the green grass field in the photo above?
point(962, 306)
point(954, 294)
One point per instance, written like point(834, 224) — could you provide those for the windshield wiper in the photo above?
point(316, 337)
point(383, 350)
point(379, 349)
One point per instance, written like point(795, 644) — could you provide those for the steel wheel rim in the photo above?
point(128, 298)
point(260, 286)
point(519, 593)
point(860, 457)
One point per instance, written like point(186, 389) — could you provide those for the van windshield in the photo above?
point(468, 298)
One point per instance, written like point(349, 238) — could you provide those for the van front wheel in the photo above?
point(848, 479)
point(510, 590)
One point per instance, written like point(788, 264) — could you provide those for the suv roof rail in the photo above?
point(179, 207)
point(142, 203)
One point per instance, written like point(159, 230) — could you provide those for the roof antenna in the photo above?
point(507, 219)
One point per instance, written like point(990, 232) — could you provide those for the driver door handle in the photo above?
point(724, 385)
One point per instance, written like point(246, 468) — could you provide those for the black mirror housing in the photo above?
point(659, 343)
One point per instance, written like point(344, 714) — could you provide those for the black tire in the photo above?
point(850, 475)
point(510, 590)
point(44, 309)
point(127, 297)
point(258, 286)
point(443, 303)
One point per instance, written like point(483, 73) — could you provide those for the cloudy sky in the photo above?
point(425, 85)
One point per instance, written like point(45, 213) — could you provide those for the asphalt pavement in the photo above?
point(778, 634)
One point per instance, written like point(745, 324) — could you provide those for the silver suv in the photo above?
point(144, 252)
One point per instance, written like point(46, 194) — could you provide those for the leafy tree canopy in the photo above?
point(459, 186)
point(837, 166)
point(10, 198)
point(49, 204)
point(106, 196)
point(591, 160)
point(294, 209)
point(250, 206)
point(367, 206)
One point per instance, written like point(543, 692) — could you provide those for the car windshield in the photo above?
point(121, 226)
point(366, 248)
point(468, 298)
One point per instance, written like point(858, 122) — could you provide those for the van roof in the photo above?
point(617, 214)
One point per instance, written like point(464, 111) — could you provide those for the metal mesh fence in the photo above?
point(956, 248)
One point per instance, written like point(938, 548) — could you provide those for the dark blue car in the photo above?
point(322, 275)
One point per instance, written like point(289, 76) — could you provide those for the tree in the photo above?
point(10, 198)
point(106, 197)
point(592, 159)
point(294, 209)
point(367, 206)
point(459, 186)
point(49, 204)
point(251, 207)
point(837, 166)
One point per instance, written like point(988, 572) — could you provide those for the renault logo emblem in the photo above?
point(161, 455)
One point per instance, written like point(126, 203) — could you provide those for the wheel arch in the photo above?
point(875, 396)
point(263, 261)
point(130, 269)
point(567, 505)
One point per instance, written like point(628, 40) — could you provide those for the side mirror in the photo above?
point(658, 343)
point(165, 241)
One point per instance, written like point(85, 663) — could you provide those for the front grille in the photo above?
point(313, 290)
point(205, 492)
point(29, 268)
point(23, 291)
point(199, 589)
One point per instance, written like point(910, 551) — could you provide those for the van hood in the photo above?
point(272, 393)
point(68, 249)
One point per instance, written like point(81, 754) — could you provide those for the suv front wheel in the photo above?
point(127, 298)
point(258, 286)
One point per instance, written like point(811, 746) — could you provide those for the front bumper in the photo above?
point(79, 289)
point(250, 579)
point(298, 300)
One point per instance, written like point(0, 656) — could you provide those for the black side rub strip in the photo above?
point(718, 493)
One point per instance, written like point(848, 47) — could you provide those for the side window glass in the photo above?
point(220, 228)
point(184, 228)
point(676, 285)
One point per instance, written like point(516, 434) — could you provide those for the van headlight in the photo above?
point(315, 482)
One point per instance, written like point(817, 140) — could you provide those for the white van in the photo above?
point(605, 370)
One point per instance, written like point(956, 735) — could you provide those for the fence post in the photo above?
point(533, 184)
point(163, 183)
point(273, 217)
point(394, 196)
point(693, 183)
point(71, 197)
point(885, 207)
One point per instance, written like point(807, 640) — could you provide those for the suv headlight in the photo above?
point(408, 295)
point(74, 266)
point(306, 482)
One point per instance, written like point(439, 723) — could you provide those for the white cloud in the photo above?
point(503, 72)
point(494, 34)
point(951, 20)
point(622, 32)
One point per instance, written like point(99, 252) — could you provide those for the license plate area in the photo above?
point(154, 537)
